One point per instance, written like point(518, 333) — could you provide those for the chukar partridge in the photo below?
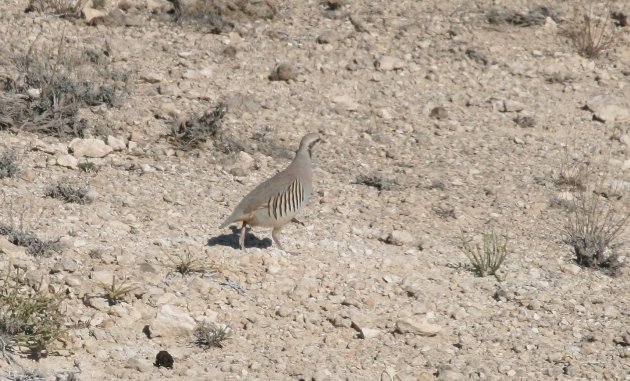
point(276, 201)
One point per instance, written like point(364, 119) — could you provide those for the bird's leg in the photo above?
point(275, 234)
point(295, 220)
point(241, 239)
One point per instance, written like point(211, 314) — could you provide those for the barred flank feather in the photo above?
point(286, 202)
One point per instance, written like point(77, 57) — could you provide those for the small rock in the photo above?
point(326, 37)
point(449, 375)
point(242, 164)
point(438, 113)
point(150, 77)
point(141, 365)
point(65, 264)
point(571, 268)
point(34, 93)
point(611, 311)
point(117, 144)
point(368, 333)
point(73, 280)
point(335, 4)
point(67, 161)
point(525, 121)
point(346, 102)
point(91, 15)
point(283, 72)
point(388, 63)
point(400, 238)
point(10, 249)
point(163, 358)
point(229, 51)
point(417, 327)
point(102, 276)
point(89, 148)
point(512, 106)
point(358, 24)
point(172, 321)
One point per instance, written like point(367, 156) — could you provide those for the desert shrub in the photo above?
point(592, 31)
point(52, 85)
point(222, 16)
point(377, 181)
point(211, 335)
point(69, 193)
point(191, 132)
point(486, 258)
point(8, 164)
point(58, 7)
point(16, 226)
point(29, 318)
point(593, 229)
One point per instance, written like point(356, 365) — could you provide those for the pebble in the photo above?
point(139, 364)
point(400, 238)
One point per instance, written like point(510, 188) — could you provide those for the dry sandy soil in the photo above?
point(467, 119)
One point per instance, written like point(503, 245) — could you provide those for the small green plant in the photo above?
point(29, 318)
point(187, 264)
point(593, 228)
point(115, 293)
point(69, 193)
point(486, 259)
point(590, 32)
point(212, 335)
point(8, 164)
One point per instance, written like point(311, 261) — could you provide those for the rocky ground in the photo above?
point(465, 118)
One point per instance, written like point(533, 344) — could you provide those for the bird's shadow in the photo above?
point(231, 240)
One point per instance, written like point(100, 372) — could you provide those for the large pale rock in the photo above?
point(607, 108)
point(417, 327)
point(89, 148)
point(117, 144)
point(172, 321)
point(10, 249)
point(67, 161)
point(91, 14)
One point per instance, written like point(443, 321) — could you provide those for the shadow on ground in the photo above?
point(231, 240)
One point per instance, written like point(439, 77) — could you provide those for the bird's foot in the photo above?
point(295, 220)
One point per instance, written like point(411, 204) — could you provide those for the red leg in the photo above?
point(241, 239)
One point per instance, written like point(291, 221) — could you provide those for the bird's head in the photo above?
point(308, 141)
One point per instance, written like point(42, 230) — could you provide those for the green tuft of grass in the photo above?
point(187, 264)
point(116, 292)
point(486, 258)
point(212, 335)
point(29, 318)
